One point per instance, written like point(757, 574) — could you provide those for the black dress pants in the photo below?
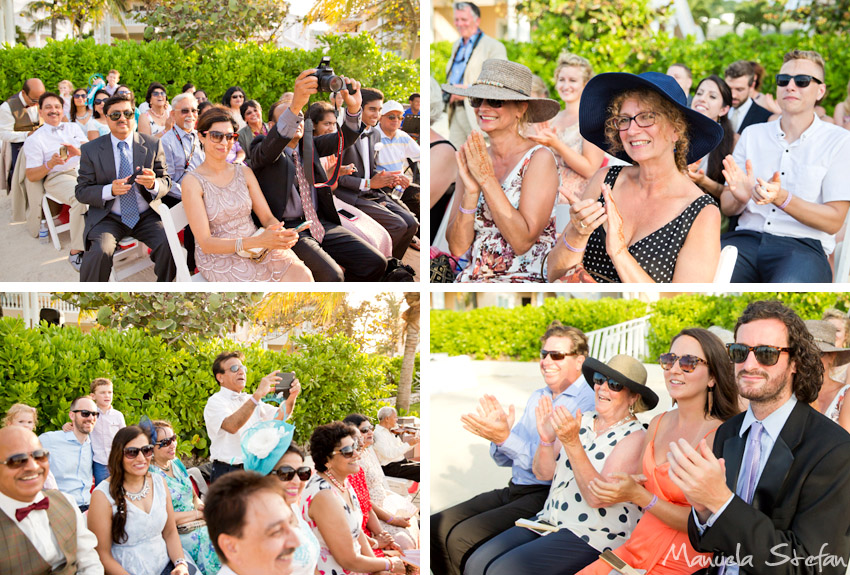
point(220, 468)
point(458, 531)
point(405, 469)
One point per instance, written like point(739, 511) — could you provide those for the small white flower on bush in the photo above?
point(264, 441)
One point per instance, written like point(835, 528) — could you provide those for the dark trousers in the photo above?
point(458, 531)
point(188, 236)
point(398, 220)
point(519, 550)
point(220, 468)
point(339, 249)
point(766, 258)
point(103, 239)
point(405, 469)
point(16, 149)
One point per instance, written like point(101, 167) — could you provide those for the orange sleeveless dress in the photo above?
point(654, 545)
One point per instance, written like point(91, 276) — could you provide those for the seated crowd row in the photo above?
point(654, 181)
point(351, 185)
point(101, 497)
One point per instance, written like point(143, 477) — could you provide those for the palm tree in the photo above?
point(287, 310)
point(78, 13)
point(411, 341)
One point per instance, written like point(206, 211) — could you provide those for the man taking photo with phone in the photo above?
point(231, 411)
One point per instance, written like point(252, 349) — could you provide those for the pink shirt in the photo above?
point(108, 424)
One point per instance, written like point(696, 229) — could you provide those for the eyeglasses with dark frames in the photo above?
point(766, 355)
point(287, 473)
point(133, 452)
point(643, 120)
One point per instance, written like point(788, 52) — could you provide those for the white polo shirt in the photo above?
point(815, 168)
point(226, 447)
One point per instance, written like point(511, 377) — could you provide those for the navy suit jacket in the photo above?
point(755, 115)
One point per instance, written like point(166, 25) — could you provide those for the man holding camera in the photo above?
point(325, 247)
point(52, 157)
point(230, 411)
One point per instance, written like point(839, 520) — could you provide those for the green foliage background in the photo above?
point(263, 71)
point(514, 334)
point(49, 367)
point(611, 54)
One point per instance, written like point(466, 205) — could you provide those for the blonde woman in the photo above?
point(842, 111)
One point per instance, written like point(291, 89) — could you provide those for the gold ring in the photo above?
point(582, 224)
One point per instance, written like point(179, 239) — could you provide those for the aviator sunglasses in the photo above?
point(802, 80)
point(287, 473)
point(115, 116)
point(348, 451)
point(18, 460)
point(599, 379)
point(765, 354)
point(687, 363)
point(133, 452)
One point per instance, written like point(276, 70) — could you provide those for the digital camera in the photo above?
point(328, 81)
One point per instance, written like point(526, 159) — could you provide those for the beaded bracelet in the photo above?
point(463, 210)
point(571, 248)
point(651, 503)
point(784, 204)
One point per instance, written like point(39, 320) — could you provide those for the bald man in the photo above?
point(19, 118)
point(41, 532)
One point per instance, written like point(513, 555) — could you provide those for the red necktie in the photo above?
point(317, 230)
point(21, 514)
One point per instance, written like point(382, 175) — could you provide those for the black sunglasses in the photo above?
point(348, 451)
point(100, 100)
point(366, 428)
point(287, 473)
point(217, 136)
point(133, 452)
point(158, 93)
point(79, 96)
point(115, 116)
point(85, 412)
point(765, 354)
point(166, 442)
point(185, 111)
point(687, 363)
point(599, 379)
point(555, 355)
point(18, 460)
point(802, 80)
point(476, 102)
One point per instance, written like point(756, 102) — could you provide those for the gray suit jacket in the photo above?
point(97, 169)
point(349, 186)
point(487, 48)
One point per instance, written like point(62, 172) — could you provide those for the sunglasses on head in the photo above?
point(133, 452)
point(348, 451)
point(555, 355)
point(115, 116)
point(765, 354)
point(217, 136)
point(802, 80)
point(643, 120)
point(287, 473)
point(166, 442)
point(18, 460)
point(476, 102)
point(599, 379)
point(687, 363)
point(85, 412)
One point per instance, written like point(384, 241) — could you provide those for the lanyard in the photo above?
point(188, 158)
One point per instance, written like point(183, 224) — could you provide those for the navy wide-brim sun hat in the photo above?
point(704, 134)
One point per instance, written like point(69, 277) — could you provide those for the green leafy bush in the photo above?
point(48, 367)
point(263, 71)
point(611, 54)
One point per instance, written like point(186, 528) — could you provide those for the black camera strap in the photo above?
point(309, 153)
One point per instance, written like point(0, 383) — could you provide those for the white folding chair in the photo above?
point(130, 260)
point(51, 225)
point(562, 217)
point(726, 265)
point(173, 220)
point(841, 255)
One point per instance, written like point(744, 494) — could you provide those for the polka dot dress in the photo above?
point(603, 528)
point(656, 253)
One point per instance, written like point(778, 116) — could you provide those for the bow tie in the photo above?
point(58, 128)
point(21, 514)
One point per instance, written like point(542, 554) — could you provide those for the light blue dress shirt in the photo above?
point(517, 452)
point(464, 52)
point(71, 463)
point(177, 151)
point(773, 425)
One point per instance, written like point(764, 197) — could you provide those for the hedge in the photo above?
point(514, 334)
point(263, 71)
point(50, 366)
point(657, 53)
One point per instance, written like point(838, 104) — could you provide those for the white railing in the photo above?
point(628, 338)
point(17, 301)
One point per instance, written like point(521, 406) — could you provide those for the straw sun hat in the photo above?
point(509, 81)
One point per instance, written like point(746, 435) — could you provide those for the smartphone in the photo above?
point(347, 215)
point(132, 179)
point(63, 152)
point(304, 226)
point(285, 383)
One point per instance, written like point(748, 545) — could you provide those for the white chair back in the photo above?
point(726, 265)
point(173, 220)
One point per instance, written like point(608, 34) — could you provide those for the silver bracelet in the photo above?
point(238, 245)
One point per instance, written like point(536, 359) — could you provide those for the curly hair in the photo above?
point(567, 59)
point(250, 104)
point(575, 335)
point(808, 379)
point(116, 481)
point(661, 106)
point(325, 439)
point(720, 368)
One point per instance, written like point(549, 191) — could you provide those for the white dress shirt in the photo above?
point(227, 447)
point(107, 425)
point(7, 121)
point(40, 147)
point(814, 168)
point(388, 447)
point(107, 189)
point(364, 151)
point(739, 114)
point(36, 528)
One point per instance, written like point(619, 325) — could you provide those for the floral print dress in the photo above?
point(492, 258)
point(354, 517)
point(834, 409)
point(196, 544)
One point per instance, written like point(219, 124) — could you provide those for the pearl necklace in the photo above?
point(612, 426)
point(334, 481)
point(155, 115)
point(139, 495)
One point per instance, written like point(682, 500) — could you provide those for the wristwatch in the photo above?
point(181, 562)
